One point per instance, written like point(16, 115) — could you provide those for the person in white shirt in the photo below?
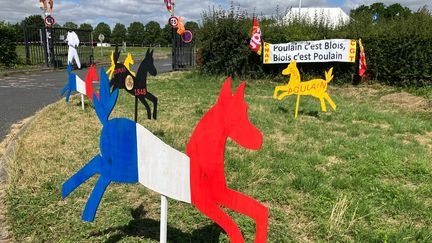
point(73, 42)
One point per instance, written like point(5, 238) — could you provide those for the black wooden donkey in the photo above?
point(136, 86)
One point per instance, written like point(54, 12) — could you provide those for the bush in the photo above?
point(220, 42)
point(8, 54)
point(397, 49)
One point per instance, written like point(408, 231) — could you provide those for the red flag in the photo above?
point(169, 5)
point(255, 41)
point(362, 60)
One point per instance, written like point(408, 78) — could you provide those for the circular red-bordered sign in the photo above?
point(49, 21)
point(187, 36)
point(173, 22)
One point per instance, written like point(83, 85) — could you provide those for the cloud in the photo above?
point(127, 11)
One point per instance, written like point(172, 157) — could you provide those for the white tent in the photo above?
point(333, 17)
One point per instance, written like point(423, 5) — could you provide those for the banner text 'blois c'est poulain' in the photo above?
point(332, 50)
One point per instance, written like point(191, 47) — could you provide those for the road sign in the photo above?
point(187, 36)
point(375, 17)
point(173, 22)
point(101, 37)
point(49, 21)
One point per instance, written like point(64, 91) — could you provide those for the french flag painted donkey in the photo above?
point(129, 153)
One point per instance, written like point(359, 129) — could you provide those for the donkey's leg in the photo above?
point(283, 95)
point(142, 99)
point(95, 198)
point(330, 101)
point(323, 105)
point(154, 100)
point(279, 88)
point(220, 217)
point(82, 175)
point(248, 206)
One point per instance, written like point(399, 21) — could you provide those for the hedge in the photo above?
point(8, 54)
point(399, 51)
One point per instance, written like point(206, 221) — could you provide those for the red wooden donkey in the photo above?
point(209, 191)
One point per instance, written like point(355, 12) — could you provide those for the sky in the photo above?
point(128, 11)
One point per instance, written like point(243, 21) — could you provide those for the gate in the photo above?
point(47, 46)
point(183, 54)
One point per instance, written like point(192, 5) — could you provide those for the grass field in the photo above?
point(104, 56)
point(360, 173)
point(137, 52)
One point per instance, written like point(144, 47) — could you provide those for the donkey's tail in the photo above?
point(106, 101)
point(329, 75)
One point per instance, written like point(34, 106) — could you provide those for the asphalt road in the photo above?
point(22, 95)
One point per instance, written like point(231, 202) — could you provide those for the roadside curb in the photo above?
point(11, 149)
point(7, 156)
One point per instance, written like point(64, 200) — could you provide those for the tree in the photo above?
point(33, 20)
point(166, 35)
point(70, 25)
point(152, 33)
point(377, 8)
point(360, 11)
point(102, 28)
point(8, 44)
point(118, 33)
point(135, 33)
point(86, 26)
point(192, 26)
point(19, 32)
point(396, 10)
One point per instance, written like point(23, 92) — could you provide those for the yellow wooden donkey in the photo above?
point(316, 87)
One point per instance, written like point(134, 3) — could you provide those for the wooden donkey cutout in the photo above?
point(128, 62)
point(316, 87)
point(123, 78)
point(75, 83)
point(129, 153)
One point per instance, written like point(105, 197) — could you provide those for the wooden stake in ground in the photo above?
point(82, 101)
point(163, 219)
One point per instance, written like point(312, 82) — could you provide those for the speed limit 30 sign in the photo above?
point(173, 22)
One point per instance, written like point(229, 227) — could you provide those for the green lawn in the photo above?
point(138, 53)
point(360, 173)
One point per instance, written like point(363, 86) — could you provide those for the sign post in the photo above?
point(163, 219)
point(101, 38)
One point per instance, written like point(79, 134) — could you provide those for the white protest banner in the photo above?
point(332, 50)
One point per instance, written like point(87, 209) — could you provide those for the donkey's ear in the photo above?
point(225, 92)
point(239, 94)
point(147, 52)
point(151, 53)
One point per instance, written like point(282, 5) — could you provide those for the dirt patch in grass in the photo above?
point(406, 101)
point(425, 140)
point(357, 92)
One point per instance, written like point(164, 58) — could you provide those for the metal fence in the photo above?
point(47, 46)
point(183, 54)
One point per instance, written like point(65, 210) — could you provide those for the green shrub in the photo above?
point(8, 54)
point(220, 43)
point(398, 49)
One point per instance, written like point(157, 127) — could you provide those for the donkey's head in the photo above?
point(107, 99)
point(236, 121)
point(129, 60)
point(116, 55)
point(148, 62)
point(292, 67)
point(92, 73)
